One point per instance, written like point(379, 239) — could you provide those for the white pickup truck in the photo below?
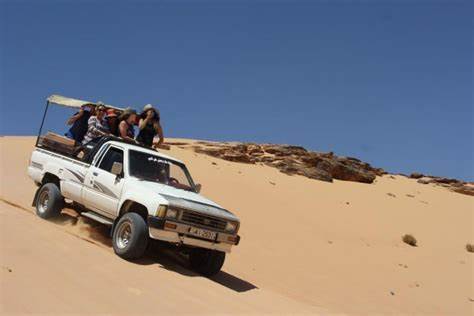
point(141, 194)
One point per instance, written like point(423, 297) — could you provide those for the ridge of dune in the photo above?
point(308, 247)
point(297, 160)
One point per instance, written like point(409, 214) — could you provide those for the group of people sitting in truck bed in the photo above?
point(96, 120)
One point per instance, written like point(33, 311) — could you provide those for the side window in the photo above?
point(177, 173)
point(101, 152)
point(112, 155)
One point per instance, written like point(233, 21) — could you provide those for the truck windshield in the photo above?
point(150, 167)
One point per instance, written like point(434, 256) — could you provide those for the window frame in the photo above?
point(105, 152)
point(100, 154)
point(182, 165)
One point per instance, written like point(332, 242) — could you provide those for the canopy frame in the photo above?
point(75, 103)
point(67, 102)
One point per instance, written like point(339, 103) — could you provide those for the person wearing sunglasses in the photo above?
point(149, 126)
point(95, 126)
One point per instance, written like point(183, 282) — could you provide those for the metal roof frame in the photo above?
point(75, 103)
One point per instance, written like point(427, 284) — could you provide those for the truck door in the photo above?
point(102, 189)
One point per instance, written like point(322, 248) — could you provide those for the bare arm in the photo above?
point(75, 117)
point(93, 127)
point(159, 131)
point(123, 129)
point(142, 123)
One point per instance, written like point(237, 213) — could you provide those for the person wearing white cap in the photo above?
point(149, 126)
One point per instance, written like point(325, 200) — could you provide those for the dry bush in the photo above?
point(470, 247)
point(409, 239)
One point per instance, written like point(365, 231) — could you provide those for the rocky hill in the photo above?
point(296, 160)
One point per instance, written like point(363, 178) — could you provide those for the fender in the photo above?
point(151, 200)
point(145, 198)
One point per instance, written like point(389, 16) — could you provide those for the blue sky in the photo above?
point(389, 82)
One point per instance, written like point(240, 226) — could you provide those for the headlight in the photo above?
point(171, 213)
point(161, 211)
point(231, 227)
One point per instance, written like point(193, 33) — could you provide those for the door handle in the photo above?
point(95, 174)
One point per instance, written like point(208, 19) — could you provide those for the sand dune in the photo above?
point(308, 247)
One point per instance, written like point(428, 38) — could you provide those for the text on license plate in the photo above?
point(202, 233)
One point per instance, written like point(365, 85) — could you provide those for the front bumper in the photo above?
point(180, 235)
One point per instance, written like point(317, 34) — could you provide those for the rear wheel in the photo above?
point(205, 261)
point(49, 201)
point(130, 237)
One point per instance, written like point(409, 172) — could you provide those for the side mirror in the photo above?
point(198, 187)
point(117, 168)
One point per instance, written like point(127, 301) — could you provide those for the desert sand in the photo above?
point(308, 247)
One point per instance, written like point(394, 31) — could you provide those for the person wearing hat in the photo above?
point(95, 126)
point(127, 119)
point(79, 122)
point(149, 126)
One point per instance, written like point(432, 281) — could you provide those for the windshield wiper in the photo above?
point(143, 178)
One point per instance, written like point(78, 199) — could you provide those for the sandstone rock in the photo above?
point(254, 149)
point(425, 180)
point(241, 148)
point(465, 189)
point(312, 158)
point(327, 155)
point(317, 174)
point(265, 159)
point(349, 173)
point(446, 180)
point(294, 160)
point(353, 159)
point(284, 150)
point(451, 184)
point(379, 171)
point(288, 168)
point(325, 165)
point(237, 157)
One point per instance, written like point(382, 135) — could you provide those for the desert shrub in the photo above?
point(470, 247)
point(409, 239)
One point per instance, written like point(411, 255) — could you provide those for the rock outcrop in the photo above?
point(296, 160)
point(451, 184)
point(293, 160)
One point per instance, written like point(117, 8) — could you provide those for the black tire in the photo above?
point(49, 201)
point(206, 262)
point(130, 236)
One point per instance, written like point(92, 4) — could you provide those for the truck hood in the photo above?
point(187, 200)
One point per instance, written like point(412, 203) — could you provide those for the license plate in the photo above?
point(206, 234)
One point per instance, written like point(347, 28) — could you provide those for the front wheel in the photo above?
point(205, 261)
point(130, 237)
point(49, 201)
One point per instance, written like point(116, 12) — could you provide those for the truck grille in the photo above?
point(203, 220)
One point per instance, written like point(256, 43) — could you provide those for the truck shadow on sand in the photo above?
point(159, 253)
point(169, 258)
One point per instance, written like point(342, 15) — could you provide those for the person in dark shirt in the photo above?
point(79, 122)
point(149, 126)
point(111, 122)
